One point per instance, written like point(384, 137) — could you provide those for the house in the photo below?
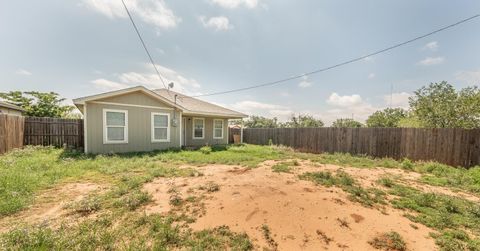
point(6, 108)
point(138, 119)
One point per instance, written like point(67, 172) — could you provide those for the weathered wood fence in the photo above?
point(53, 132)
point(457, 147)
point(11, 132)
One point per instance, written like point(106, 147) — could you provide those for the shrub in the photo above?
point(205, 149)
point(391, 241)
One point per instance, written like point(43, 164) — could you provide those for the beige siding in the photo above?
point(135, 98)
point(9, 111)
point(139, 125)
point(208, 137)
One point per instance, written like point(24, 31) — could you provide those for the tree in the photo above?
point(440, 105)
point(346, 123)
point(303, 121)
point(261, 122)
point(388, 117)
point(39, 104)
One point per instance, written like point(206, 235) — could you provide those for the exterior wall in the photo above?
point(10, 111)
point(139, 124)
point(208, 137)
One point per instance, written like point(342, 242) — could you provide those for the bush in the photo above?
point(205, 149)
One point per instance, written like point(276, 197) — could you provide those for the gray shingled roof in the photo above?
point(193, 106)
point(8, 105)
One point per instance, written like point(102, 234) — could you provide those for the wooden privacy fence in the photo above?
point(11, 132)
point(452, 146)
point(54, 132)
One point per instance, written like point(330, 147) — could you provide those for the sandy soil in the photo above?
point(299, 214)
point(50, 205)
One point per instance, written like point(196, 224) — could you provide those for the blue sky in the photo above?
point(78, 48)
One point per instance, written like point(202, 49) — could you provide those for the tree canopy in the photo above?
point(303, 121)
point(345, 122)
point(440, 105)
point(389, 117)
point(260, 122)
point(39, 104)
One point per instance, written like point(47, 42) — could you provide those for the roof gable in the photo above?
point(113, 94)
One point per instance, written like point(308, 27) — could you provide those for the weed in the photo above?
point(205, 149)
point(343, 223)
point(175, 199)
point(135, 199)
point(391, 241)
point(210, 187)
point(86, 206)
point(324, 237)
point(281, 168)
point(267, 235)
point(407, 164)
point(386, 182)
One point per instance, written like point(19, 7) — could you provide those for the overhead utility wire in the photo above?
point(340, 64)
point(145, 47)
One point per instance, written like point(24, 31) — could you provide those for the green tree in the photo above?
point(261, 122)
point(303, 121)
point(346, 123)
point(39, 104)
point(440, 105)
point(388, 117)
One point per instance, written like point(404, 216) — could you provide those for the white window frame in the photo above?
point(125, 131)
point(153, 127)
point(193, 128)
point(223, 128)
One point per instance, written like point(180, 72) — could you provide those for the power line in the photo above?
point(145, 46)
point(342, 63)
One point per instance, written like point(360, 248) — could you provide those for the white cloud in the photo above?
point(433, 46)
point(371, 75)
point(471, 77)
point(107, 85)
point(232, 4)
point(344, 101)
point(369, 59)
point(23, 72)
point(219, 23)
point(263, 109)
point(150, 79)
point(154, 12)
point(305, 82)
point(431, 61)
point(399, 99)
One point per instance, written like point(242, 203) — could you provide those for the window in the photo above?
point(160, 127)
point(218, 128)
point(115, 126)
point(198, 128)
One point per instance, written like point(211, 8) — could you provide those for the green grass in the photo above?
point(152, 232)
point(391, 241)
point(285, 167)
point(367, 197)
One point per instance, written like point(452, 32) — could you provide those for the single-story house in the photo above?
point(6, 108)
point(138, 119)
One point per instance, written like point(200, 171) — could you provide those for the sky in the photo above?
point(85, 47)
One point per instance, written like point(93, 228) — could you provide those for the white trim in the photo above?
point(223, 128)
point(125, 131)
point(131, 105)
point(193, 128)
point(180, 120)
point(85, 134)
point(152, 126)
point(223, 115)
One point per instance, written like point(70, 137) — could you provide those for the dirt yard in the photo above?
point(297, 213)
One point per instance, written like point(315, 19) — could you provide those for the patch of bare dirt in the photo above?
point(49, 206)
point(297, 213)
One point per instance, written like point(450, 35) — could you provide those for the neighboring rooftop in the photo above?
point(196, 106)
point(10, 106)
